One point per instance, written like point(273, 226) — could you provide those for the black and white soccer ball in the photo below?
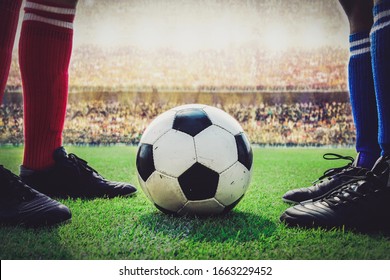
point(194, 160)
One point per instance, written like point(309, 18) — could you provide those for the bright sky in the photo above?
point(189, 25)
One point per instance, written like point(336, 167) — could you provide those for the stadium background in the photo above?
point(279, 67)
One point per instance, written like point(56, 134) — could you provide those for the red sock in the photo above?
point(9, 15)
point(45, 48)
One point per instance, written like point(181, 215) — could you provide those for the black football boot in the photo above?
point(72, 177)
point(22, 205)
point(363, 204)
point(332, 179)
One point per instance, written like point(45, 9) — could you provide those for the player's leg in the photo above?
point(19, 204)
point(361, 84)
point(380, 46)
point(362, 96)
point(44, 51)
point(45, 48)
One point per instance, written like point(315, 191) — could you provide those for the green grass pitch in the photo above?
point(132, 228)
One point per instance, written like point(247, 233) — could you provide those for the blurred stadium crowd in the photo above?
point(236, 69)
point(100, 123)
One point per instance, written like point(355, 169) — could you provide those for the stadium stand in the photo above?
point(96, 122)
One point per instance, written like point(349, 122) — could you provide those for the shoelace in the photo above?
point(16, 186)
point(81, 165)
point(371, 184)
point(332, 171)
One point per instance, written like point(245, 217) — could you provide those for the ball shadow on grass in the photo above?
point(235, 225)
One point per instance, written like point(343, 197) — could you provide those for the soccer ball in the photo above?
point(194, 160)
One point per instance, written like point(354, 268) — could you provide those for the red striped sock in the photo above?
point(9, 15)
point(45, 49)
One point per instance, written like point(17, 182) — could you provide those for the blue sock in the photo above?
point(380, 52)
point(362, 95)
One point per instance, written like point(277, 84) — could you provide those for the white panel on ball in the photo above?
point(216, 148)
point(233, 183)
point(223, 119)
point(165, 191)
point(158, 127)
point(202, 207)
point(144, 187)
point(174, 153)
